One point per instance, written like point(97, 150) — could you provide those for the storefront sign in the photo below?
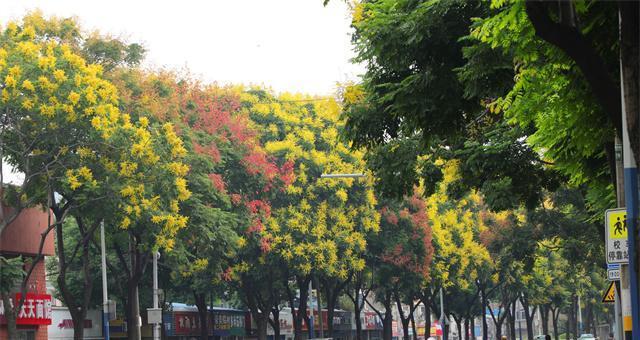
point(436, 329)
point(228, 323)
point(62, 326)
point(36, 309)
point(118, 328)
point(372, 321)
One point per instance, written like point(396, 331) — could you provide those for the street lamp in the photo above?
point(105, 300)
point(356, 175)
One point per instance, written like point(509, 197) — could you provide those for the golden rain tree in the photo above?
point(317, 226)
point(81, 156)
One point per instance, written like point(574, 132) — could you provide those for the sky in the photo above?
point(287, 45)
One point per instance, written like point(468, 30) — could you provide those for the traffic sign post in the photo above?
point(610, 294)
point(613, 274)
point(617, 250)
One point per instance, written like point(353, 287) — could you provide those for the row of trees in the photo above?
point(525, 96)
point(478, 189)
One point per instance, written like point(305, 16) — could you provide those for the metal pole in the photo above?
point(485, 327)
point(520, 327)
point(341, 175)
point(442, 324)
point(310, 308)
point(618, 332)
point(579, 315)
point(630, 308)
point(105, 300)
point(156, 327)
point(319, 303)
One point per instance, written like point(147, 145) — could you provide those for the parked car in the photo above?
point(587, 337)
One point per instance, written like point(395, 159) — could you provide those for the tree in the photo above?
point(10, 273)
point(316, 226)
point(62, 130)
point(402, 252)
point(422, 97)
point(80, 155)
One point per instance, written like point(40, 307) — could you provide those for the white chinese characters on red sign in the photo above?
point(36, 310)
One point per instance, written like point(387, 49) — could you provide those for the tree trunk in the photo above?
point(511, 316)
point(403, 319)
point(78, 323)
point(261, 323)
point(10, 315)
point(571, 41)
point(473, 328)
point(332, 289)
point(544, 316)
point(458, 326)
point(276, 322)
point(300, 315)
point(554, 320)
point(575, 317)
point(413, 326)
point(357, 307)
point(466, 329)
point(485, 326)
point(528, 315)
point(203, 314)
point(387, 323)
point(134, 271)
point(77, 309)
point(133, 327)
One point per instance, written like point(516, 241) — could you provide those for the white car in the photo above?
point(587, 337)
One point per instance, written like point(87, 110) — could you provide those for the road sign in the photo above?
point(610, 293)
point(617, 250)
point(613, 274)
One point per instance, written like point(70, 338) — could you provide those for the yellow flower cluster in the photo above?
point(177, 147)
point(81, 176)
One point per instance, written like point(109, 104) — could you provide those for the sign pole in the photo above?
point(631, 200)
point(156, 327)
point(105, 301)
point(618, 331)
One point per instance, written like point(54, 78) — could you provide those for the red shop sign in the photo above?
point(36, 310)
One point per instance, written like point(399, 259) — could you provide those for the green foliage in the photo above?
point(423, 98)
point(11, 273)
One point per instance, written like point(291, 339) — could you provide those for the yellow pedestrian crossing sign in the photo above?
point(610, 293)
point(617, 246)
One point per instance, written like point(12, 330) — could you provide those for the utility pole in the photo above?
point(310, 308)
point(105, 300)
point(628, 274)
point(318, 301)
point(579, 314)
point(442, 318)
point(618, 332)
point(628, 42)
point(156, 327)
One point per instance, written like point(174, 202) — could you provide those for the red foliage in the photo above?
point(257, 162)
point(255, 227)
point(287, 174)
point(259, 207)
point(210, 150)
point(236, 199)
point(227, 275)
point(218, 182)
point(416, 214)
point(389, 216)
point(265, 244)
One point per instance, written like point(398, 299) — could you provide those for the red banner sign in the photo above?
point(36, 310)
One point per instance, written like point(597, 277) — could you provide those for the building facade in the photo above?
point(23, 238)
